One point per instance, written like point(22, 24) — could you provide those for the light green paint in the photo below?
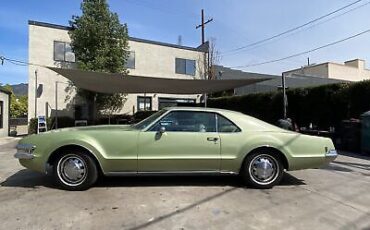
point(122, 148)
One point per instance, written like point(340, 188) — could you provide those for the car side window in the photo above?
point(187, 121)
point(225, 125)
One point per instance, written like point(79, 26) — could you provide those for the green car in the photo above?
point(185, 141)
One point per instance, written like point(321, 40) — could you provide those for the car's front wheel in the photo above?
point(262, 169)
point(75, 170)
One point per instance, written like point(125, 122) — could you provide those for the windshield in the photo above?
point(147, 121)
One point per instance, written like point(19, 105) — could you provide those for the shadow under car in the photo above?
point(29, 179)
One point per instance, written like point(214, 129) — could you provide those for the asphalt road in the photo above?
point(335, 197)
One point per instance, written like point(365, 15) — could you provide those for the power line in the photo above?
point(165, 10)
point(301, 30)
point(304, 52)
point(19, 62)
point(292, 29)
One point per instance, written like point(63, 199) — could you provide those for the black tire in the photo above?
point(74, 170)
point(264, 157)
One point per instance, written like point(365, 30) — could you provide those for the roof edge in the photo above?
point(308, 66)
point(61, 27)
point(3, 90)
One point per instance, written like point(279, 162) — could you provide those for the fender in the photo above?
point(85, 142)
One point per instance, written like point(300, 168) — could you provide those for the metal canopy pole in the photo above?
point(56, 104)
point(284, 96)
point(36, 84)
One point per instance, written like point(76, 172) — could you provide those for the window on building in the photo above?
point(172, 102)
point(130, 62)
point(1, 114)
point(63, 52)
point(144, 103)
point(185, 66)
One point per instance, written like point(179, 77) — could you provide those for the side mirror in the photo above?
point(162, 129)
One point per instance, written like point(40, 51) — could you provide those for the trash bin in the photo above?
point(350, 135)
point(365, 132)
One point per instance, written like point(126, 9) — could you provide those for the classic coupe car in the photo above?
point(172, 141)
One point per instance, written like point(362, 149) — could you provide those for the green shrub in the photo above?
point(115, 119)
point(323, 106)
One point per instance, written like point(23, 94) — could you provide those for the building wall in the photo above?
point(321, 70)
point(273, 82)
point(151, 60)
point(354, 70)
point(5, 99)
point(291, 81)
point(348, 72)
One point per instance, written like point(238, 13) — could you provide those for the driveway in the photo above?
point(334, 197)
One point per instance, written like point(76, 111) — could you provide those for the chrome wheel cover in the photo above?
point(72, 170)
point(263, 169)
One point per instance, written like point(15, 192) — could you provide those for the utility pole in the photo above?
point(206, 54)
point(202, 25)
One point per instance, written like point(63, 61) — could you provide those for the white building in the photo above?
point(4, 112)
point(49, 45)
point(292, 80)
point(353, 70)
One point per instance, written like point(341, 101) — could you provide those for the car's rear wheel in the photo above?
point(262, 169)
point(75, 170)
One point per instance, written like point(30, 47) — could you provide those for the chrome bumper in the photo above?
point(26, 156)
point(331, 155)
point(25, 151)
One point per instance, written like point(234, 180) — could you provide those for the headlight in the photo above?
point(26, 148)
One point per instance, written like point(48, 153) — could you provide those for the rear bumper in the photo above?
point(331, 155)
point(312, 161)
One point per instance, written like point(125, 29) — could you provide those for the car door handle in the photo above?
point(212, 138)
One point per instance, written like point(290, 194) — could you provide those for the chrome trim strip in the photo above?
point(168, 173)
point(179, 172)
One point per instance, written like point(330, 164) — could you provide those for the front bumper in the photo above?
point(25, 151)
point(25, 156)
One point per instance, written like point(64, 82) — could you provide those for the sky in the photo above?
point(236, 23)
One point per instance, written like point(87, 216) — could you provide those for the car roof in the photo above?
point(201, 109)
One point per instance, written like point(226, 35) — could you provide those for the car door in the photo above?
point(182, 141)
point(231, 141)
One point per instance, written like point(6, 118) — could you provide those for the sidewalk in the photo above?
point(7, 140)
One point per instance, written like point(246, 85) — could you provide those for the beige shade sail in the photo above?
point(120, 83)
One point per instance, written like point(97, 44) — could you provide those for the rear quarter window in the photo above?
point(224, 125)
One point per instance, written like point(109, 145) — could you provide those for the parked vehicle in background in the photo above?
point(175, 140)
